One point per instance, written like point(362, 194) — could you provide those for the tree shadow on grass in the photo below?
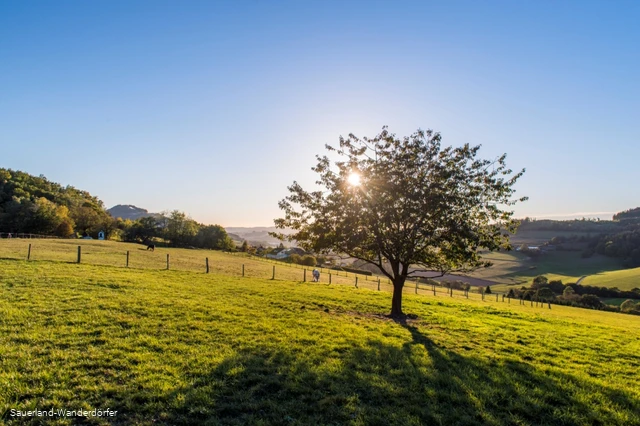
point(417, 383)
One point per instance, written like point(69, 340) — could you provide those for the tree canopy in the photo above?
point(406, 203)
point(33, 204)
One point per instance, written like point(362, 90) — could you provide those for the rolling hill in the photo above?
point(168, 347)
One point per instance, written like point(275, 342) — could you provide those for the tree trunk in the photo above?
point(396, 301)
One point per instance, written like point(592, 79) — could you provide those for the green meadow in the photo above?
point(625, 279)
point(180, 346)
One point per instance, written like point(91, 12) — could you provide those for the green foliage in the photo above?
point(308, 260)
point(141, 230)
point(539, 281)
point(179, 230)
point(418, 204)
point(30, 204)
point(568, 291)
point(630, 306)
point(591, 301)
point(213, 237)
point(545, 294)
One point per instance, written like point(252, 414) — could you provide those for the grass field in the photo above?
point(515, 269)
point(626, 279)
point(184, 347)
point(110, 253)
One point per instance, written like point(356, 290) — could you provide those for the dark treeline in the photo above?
point(34, 205)
point(623, 245)
point(618, 238)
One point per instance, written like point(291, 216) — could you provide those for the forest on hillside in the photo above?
point(35, 205)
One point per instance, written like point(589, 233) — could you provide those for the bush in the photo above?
point(630, 307)
point(308, 260)
point(591, 301)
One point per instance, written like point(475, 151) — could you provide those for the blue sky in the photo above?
point(213, 108)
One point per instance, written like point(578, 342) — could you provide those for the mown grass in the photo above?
point(180, 347)
point(626, 279)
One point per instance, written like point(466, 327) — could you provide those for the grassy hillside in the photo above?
point(180, 347)
point(517, 269)
point(111, 253)
point(626, 279)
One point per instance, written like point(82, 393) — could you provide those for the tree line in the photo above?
point(176, 229)
point(577, 295)
point(35, 205)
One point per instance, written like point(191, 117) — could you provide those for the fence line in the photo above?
point(25, 235)
point(373, 282)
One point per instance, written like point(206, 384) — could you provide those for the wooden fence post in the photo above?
point(206, 261)
point(378, 284)
point(79, 253)
point(29, 253)
point(127, 258)
point(304, 279)
point(243, 269)
point(356, 281)
point(329, 277)
point(416, 286)
point(482, 292)
point(433, 286)
point(167, 261)
point(273, 276)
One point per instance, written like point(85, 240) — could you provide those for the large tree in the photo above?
point(402, 204)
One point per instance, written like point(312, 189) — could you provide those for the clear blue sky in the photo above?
point(213, 108)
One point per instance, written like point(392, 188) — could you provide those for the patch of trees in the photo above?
point(35, 205)
point(307, 259)
point(558, 288)
point(571, 294)
point(631, 214)
point(630, 307)
point(578, 225)
point(177, 230)
point(623, 245)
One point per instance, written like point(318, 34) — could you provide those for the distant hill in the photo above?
point(127, 211)
point(257, 236)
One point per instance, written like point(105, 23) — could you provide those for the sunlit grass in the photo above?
point(181, 347)
point(626, 279)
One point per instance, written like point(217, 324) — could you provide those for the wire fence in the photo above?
point(133, 256)
point(23, 235)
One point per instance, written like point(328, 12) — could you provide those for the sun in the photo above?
point(354, 179)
